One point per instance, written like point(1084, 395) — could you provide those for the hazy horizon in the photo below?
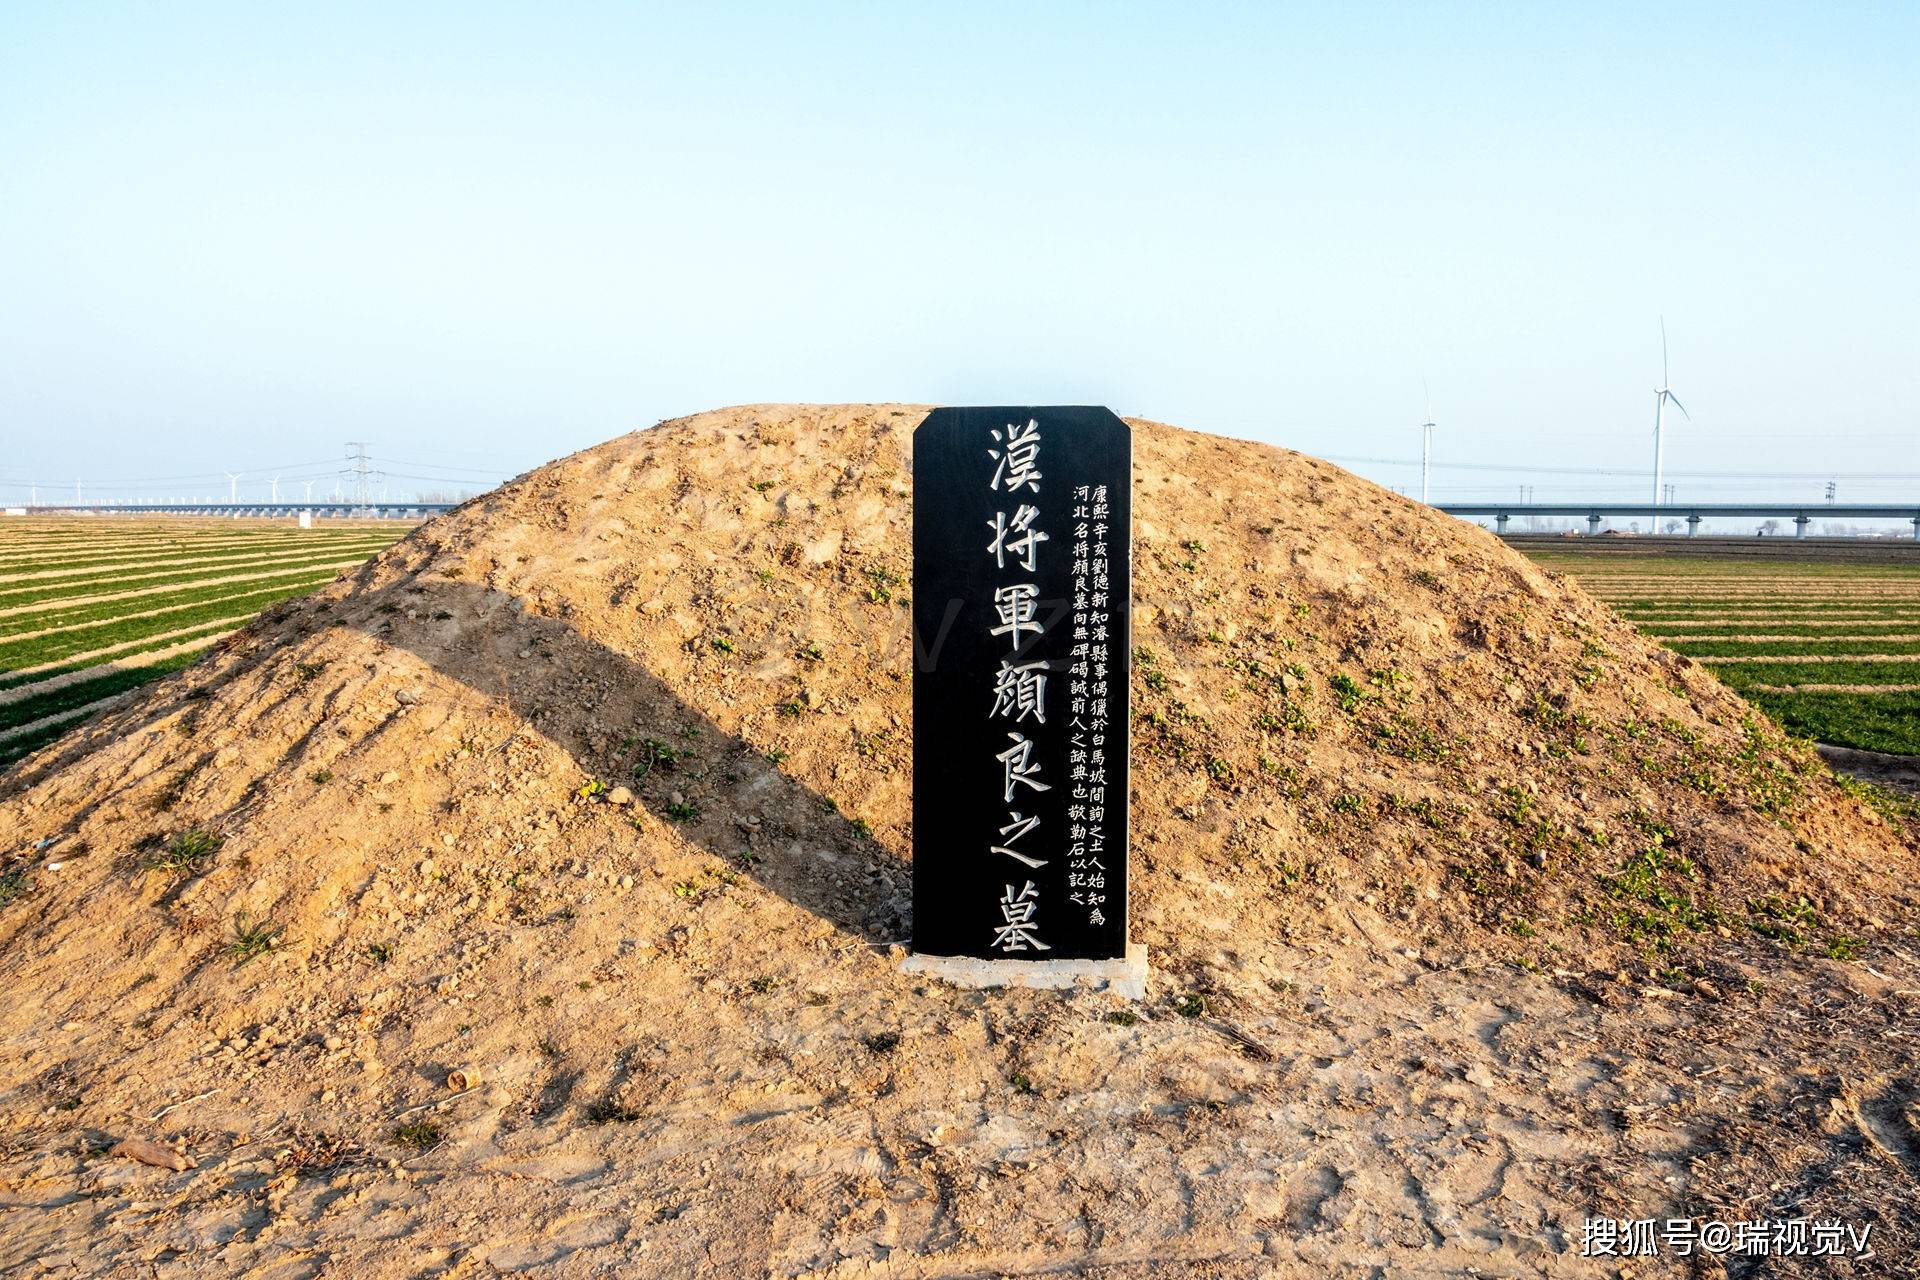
point(478, 238)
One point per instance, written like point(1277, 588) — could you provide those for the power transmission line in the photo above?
point(362, 472)
point(443, 466)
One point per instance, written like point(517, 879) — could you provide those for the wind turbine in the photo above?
point(275, 490)
point(233, 485)
point(1661, 395)
point(309, 485)
point(1426, 442)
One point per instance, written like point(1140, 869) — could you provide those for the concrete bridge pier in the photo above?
point(1800, 524)
point(1500, 524)
point(1593, 526)
point(1693, 525)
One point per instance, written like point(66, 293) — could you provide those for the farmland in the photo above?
point(1831, 649)
point(92, 608)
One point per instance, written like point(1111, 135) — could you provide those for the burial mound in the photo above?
point(591, 799)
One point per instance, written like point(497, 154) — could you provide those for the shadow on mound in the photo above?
point(577, 693)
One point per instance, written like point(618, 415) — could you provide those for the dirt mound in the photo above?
point(595, 791)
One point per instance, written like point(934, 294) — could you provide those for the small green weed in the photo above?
point(1773, 916)
point(1840, 947)
point(417, 1135)
point(1410, 740)
point(186, 854)
point(1347, 691)
point(252, 938)
point(608, 1111)
point(657, 754)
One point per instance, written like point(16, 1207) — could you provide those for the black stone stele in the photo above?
point(1022, 521)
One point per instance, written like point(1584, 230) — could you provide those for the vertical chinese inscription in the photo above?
point(1021, 573)
point(1020, 687)
point(1087, 814)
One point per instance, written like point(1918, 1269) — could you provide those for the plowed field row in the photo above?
point(1831, 650)
point(93, 608)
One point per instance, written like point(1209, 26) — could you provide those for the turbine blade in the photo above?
point(1663, 351)
point(1676, 404)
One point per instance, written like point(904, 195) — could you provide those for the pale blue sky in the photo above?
point(483, 235)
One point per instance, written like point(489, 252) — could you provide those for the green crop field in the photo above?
point(1830, 650)
point(92, 608)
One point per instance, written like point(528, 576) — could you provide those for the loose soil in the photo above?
point(533, 897)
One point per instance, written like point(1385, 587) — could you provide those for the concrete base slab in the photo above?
point(1126, 977)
